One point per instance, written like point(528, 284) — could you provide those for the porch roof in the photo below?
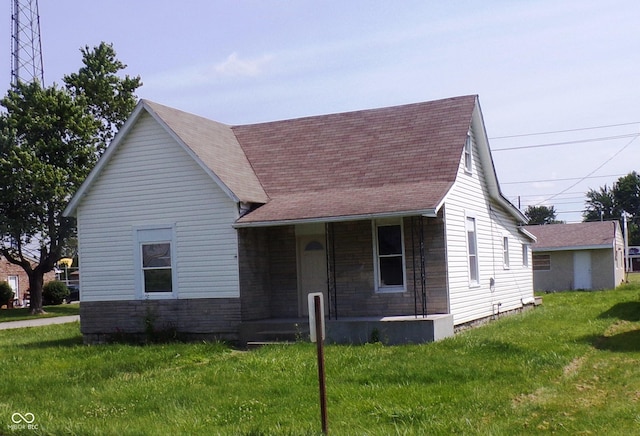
point(349, 204)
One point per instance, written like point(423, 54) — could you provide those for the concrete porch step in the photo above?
point(252, 345)
point(270, 331)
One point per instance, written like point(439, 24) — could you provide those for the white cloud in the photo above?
point(209, 74)
point(235, 66)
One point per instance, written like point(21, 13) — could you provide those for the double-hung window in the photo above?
point(472, 250)
point(389, 255)
point(468, 155)
point(505, 252)
point(155, 262)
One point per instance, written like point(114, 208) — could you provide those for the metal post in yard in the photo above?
point(321, 372)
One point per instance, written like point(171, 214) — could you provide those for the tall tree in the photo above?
point(107, 96)
point(50, 139)
point(624, 196)
point(541, 215)
point(626, 192)
point(601, 205)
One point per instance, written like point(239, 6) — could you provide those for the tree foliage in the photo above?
point(601, 205)
point(50, 139)
point(109, 98)
point(623, 197)
point(541, 215)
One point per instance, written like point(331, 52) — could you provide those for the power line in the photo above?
point(578, 141)
point(564, 131)
point(591, 173)
point(561, 180)
point(544, 195)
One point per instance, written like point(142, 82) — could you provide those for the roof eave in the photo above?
point(528, 234)
point(429, 213)
point(572, 248)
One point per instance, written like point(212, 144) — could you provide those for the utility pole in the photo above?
point(26, 47)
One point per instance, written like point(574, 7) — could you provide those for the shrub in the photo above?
point(54, 293)
point(6, 293)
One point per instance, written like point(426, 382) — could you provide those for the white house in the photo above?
point(394, 214)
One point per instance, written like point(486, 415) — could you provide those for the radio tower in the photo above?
point(26, 54)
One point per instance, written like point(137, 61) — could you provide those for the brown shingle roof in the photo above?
point(402, 158)
point(573, 236)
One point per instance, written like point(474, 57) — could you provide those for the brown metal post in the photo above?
point(321, 373)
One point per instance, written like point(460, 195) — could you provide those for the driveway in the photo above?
point(37, 322)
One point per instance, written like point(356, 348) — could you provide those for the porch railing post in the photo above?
point(423, 268)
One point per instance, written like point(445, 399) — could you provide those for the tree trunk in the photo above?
point(36, 281)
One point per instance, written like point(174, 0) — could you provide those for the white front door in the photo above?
point(582, 270)
point(312, 269)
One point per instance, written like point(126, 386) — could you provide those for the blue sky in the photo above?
point(538, 66)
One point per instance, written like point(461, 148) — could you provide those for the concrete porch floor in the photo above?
point(390, 330)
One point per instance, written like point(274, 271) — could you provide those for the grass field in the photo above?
point(52, 311)
point(634, 278)
point(571, 366)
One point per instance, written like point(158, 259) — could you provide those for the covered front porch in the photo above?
point(383, 279)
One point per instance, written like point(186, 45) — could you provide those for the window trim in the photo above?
point(472, 282)
point(525, 255)
point(467, 154)
point(145, 235)
point(505, 252)
point(379, 287)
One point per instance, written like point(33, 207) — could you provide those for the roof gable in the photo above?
point(599, 234)
point(211, 144)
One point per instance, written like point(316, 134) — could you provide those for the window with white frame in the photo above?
point(389, 255)
point(468, 153)
point(155, 262)
point(505, 251)
point(525, 255)
point(472, 249)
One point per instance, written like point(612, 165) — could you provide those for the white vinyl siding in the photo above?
point(469, 197)
point(150, 179)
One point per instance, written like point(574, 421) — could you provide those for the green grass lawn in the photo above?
point(571, 366)
point(52, 311)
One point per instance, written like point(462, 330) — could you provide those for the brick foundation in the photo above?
point(211, 318)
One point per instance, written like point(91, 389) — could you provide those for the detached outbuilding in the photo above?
point(394, 214)
point(577, 256)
